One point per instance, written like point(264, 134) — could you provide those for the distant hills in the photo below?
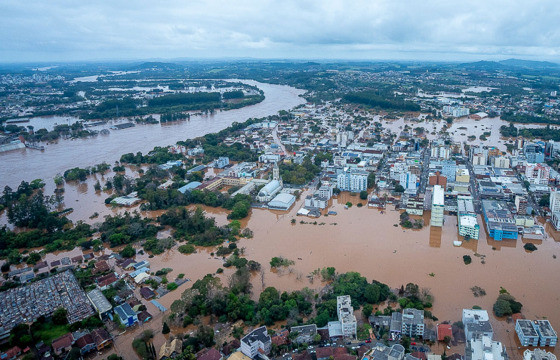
point(156, 66)
point(511, 63)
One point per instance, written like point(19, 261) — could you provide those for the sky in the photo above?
point(449, 30)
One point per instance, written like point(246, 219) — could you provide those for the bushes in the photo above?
point(467, 259)
point(530, 247)
point(506, 305)
point(186, 249)
point(279, 261)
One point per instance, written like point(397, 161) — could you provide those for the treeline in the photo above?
point(189, 99)
point(159, 155)
point(374, 99)
point(235, 94)
point(170, 117)
point(546, 133)
point(81, 174)
point(528, 119)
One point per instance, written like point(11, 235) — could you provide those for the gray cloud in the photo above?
point(34, 30)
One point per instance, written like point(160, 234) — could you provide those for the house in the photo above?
point(126, 315)
point(256, 340)
point(86, 344)
point(101, 267)
point(346, 317)
point(209, 354)
point(144, 316)
point(106, 281)
point(11, 353)
point(147, 293)
point(62, 344)
point(171, 349)
point(281, 338)
point(443, 331)
point(102, 338)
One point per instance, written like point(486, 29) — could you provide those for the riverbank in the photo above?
point(28, 165)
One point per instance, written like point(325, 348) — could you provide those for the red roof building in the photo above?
point(444, 330)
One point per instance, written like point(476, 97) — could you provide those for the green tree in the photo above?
point(165, 329)
point(363, 195)
point(59, 316)
point(367, 310)
point(128, 252)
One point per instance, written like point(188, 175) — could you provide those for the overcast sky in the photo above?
point(54, 30)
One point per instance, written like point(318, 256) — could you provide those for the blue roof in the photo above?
point(124, 311)
point(139, 271)
point(190, 186)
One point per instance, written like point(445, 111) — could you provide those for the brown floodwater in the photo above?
point(366, 240)
point(28, 165)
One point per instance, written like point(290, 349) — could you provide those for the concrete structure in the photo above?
point(100, 303)
point(527, 332)
point(467, 218)
point(255, 340)
point(410, 182)
point(538, 174)
point(502, 162)
point(382, 352)
point(413, 322)
point(438, 206)
point(554, 203)
point(352, 180)
point(222, 162)
point(282, 201)
point(547, 335)
point(476, 322)
point(500, 222)
point(538, 354)
point(346, 316)
point(189, 187)
point(534, 153)
point(481, 347)
point(269, 191)
point(306, 333)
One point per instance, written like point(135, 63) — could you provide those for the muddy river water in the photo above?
point(27, 165)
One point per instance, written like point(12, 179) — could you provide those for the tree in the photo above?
point(128, 252)
point(59, 316)
point(502, 308)
point(165, 329)
point(363, 195)
point(367, 310)
point(399, 188)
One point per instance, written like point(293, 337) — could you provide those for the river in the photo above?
point(25, 164)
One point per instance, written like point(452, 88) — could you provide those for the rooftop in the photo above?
point(527, 327)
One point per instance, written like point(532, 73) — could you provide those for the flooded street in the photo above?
point(27, 165)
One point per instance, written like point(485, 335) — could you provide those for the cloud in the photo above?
point(34, 30)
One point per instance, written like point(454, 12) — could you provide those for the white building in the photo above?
point(352, 180)
point(537, 173)
point(538, 354)
point(255, 340)
point(441, 152)
point(269, 191)
point(482, 347)
point(346, 316)
point(409, 181)
point(502, 162)
point(438, 206)
point(476, 322)
point(467, 218)
point(554, 204)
